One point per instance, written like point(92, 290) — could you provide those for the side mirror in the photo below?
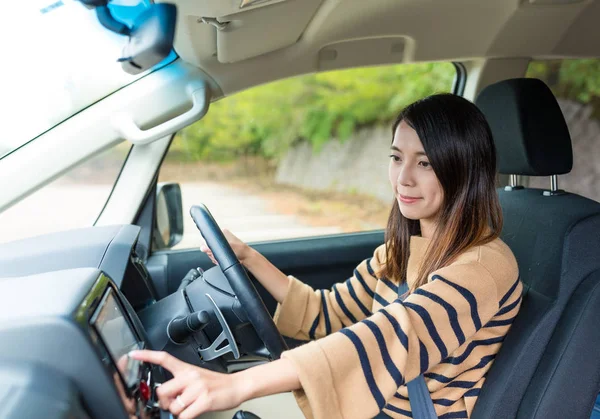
point(168, 224)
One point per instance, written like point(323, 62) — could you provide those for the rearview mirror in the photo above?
point(168, 224)
point(151, 34)
point(150, 39)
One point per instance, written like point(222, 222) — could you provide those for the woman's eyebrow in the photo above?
point(418, 153)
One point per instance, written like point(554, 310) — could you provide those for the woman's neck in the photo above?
point(428, 227)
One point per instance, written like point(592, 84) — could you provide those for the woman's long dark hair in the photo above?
point(458, 142)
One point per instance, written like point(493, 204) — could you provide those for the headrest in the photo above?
point(528, 127)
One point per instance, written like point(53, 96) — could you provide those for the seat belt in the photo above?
point(419, 397)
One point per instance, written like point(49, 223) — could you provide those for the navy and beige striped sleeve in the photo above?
point(307, 314)
point(355, 372)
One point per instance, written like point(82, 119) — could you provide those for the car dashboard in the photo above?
point(73, 304)
point(111, 249)
point(72, 327)
point(68, 305)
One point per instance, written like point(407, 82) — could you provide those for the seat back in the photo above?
point(555, 237)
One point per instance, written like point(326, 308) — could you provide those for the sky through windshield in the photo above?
point(58, 59)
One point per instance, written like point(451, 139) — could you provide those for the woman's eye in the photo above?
point(394, 157)
point(425, 164)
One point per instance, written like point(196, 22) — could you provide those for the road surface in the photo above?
point(67, 206)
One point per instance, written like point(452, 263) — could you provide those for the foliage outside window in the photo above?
point(335, 123)
point(267, 119)
point(577, 79)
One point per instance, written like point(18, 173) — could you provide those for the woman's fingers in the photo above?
point(238, 247)
point(205, 249)
point(190, 395)
point(168, 391)
point(122, 363)
point(178, 405)
point(231, 238)
point(159, 358)
point(199, 406)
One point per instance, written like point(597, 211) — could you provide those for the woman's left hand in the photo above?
point(194, 390)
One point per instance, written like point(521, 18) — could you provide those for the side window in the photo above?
point(300, 157)
point(576, 85)
point(73, 200)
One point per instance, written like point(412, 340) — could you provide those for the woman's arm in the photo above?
point(275, 377)
point(309, 314)
point(356, 372)
point(275, 281)
point(194, 390)
point(305, 313)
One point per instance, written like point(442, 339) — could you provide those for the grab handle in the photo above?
point(126, 126)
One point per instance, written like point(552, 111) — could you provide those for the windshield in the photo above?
point(61, 61)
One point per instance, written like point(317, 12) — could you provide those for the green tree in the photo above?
point(575, 79)
point(266, 120)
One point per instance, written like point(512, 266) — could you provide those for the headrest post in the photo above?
point(554, 187)
point(513, 183)
point(553, 183)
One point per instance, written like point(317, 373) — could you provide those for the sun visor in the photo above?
point(220, 8)
point(248, 28)
point(367, 51)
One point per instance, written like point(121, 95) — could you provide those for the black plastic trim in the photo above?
point(460, 79)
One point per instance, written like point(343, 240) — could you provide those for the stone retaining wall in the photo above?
point(359, 165)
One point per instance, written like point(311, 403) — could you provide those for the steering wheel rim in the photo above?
point(238, 279)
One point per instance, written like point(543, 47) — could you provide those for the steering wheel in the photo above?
point(239, 281)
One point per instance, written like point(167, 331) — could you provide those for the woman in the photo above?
point(442, 241)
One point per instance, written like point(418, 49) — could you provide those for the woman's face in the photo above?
point(416, 187)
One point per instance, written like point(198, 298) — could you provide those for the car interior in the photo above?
point(74, 303)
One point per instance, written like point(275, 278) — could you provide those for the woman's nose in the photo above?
point(405, 176)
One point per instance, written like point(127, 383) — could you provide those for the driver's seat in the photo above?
point(549, 364)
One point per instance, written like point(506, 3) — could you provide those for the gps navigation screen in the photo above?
point(116, 333)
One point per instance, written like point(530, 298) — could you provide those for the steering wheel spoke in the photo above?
point(242, 286)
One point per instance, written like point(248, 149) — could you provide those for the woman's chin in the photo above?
point(409, 213)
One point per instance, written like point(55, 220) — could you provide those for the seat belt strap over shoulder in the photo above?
point(421, 404)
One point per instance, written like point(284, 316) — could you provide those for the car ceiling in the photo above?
point(273, 39)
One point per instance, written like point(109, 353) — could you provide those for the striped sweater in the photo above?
point(367, 344)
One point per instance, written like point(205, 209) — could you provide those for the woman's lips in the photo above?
point(407, 199)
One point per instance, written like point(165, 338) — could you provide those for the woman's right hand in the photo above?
point(242, 250)
point(275, 281)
